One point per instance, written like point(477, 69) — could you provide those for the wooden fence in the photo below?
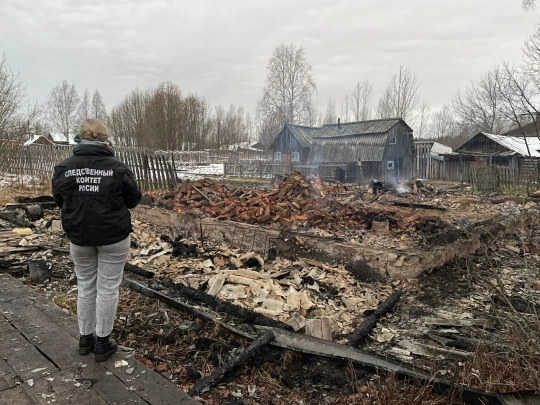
point(488, 178)
point(152, 172)
point(259, 169)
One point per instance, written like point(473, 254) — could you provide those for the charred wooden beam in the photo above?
point(414, 205)
point(138, 271)
point(222, 306)
point(367, 326)
point(252, 350)
point(330, 350)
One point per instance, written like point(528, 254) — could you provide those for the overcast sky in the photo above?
point(219, 49)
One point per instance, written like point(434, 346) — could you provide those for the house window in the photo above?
point(277, 157)
point(295, 157)
point(390, 165)
point(393, 141)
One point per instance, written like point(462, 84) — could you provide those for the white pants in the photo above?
point(99, 271)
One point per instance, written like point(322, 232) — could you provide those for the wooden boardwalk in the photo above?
point(39, 363)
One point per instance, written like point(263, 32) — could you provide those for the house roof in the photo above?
point(358, 128)
point(302, 133)
point(253, 146)
point(366, 148)
point(516, 145)
point(35, 138)
point(440, 149)
point(58, 137)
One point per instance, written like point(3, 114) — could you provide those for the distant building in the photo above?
point(429, 160)
point(45, 140)
point(360, 151)
point(522, 154)
point(292, 144)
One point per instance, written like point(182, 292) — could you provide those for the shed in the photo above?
point(429, 160)
point(360, 151)
point(292, 144)
point(521, 154)
point(39, 140)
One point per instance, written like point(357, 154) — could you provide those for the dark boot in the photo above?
point(86, 343)
point(104, 348)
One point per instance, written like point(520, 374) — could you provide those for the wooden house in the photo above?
point(39, 140)
point(360, 151)
point(292, 144)
point(520, 154)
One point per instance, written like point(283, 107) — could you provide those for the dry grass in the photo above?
point(18, 188)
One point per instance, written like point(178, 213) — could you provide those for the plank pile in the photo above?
point(295, 199)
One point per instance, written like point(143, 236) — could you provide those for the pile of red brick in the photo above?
point(295, 199)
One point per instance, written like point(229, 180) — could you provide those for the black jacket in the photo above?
point(94, 191)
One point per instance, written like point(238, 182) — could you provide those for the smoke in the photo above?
point(401, 188)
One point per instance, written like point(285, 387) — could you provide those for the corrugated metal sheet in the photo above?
point(440, 149)
point(303, 134)
point(366, 148)
point(513, 144)
point(357, 128)
point(518, 144)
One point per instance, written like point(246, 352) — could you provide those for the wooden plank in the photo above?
point(22, 356)
point(149, 385)
point(41, 321)
point(7, 376)
point(65, 388)
point(38, 327)
point(15, 396)
point(12, 289)
point(108, 386)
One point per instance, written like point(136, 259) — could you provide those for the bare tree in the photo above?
point(478, 107)
point(400, 98)
point(289, 86)
point(528, 4)
point(422, 123)
point(268, 126)
point(345, 109)
point(12, 93)
point(330, 116)
point(30, 121)
point(443, 124)
point(62, 106)
point(84, 107)
point(97, 108)
point(127, 121)
point(361, 96)
point(518, 93)
point(531, 51)
point(313, 116)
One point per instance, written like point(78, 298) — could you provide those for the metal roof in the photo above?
point(440, 149)
point(358, 128)
point(303, 134)
point(530, 147)
point(365, 148)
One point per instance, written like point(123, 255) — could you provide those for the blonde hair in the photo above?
point(94, 129)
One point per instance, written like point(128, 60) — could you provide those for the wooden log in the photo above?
point(218, 305)
point(414, 205)
point(202, 194)
point(137, 270)
point(252, 350)
point(318, 347)
point(367, 325)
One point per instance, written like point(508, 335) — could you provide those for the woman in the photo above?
point(94, 191)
